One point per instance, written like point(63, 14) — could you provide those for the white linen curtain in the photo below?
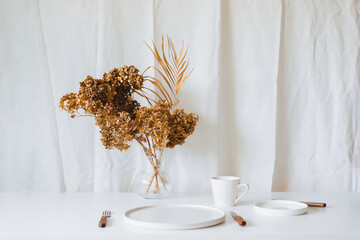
point(275, 84)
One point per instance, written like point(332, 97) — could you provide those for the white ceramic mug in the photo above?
point(227, 190)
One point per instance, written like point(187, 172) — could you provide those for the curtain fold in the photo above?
point(275, 85)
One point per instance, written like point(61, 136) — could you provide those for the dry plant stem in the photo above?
point(151, 180)
point(163, 182)
point(155, 165)
point(143, 94)
point(152, 141)
point(154, 92)
point(157, 182)
point(156, 175)
point(156, 172)
point(147, 139)
point(84, 115)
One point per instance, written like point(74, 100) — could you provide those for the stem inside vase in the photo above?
point(153, 182)
point(155, 160)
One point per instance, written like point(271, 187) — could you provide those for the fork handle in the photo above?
point(102, 222)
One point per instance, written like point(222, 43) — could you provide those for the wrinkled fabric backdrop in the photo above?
point(275, 84)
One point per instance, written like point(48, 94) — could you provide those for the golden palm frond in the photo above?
point(173, 70)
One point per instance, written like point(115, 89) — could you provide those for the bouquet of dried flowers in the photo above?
point(122, 119)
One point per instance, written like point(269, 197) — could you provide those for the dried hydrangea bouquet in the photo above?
point(121, 119)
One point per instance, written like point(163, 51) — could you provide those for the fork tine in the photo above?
point(106, 213)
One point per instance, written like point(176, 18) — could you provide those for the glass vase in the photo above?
point(153, 182)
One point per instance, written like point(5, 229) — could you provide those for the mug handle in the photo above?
point(243, 194)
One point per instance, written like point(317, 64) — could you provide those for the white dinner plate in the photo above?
point(175, 216)
point(280, 208)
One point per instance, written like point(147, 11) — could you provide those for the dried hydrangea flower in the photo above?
point(181, 126)
point(153, 123)
point(116, 131)
point(69, 102)
point(112, 94)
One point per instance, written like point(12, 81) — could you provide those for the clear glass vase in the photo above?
point(153, 182)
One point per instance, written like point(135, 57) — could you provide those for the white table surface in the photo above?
point(76, 215)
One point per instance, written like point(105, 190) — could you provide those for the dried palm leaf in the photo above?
point(173, 70)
